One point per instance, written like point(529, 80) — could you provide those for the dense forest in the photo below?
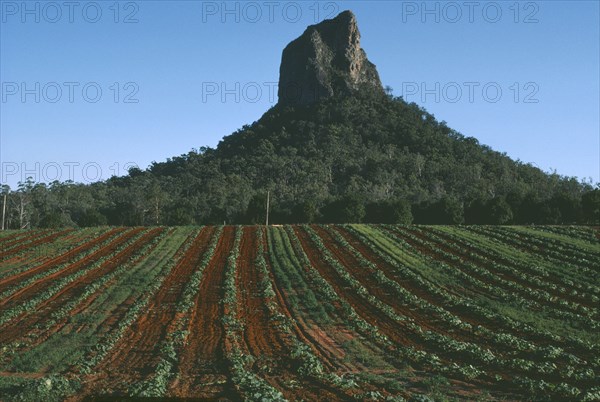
point(365, 158)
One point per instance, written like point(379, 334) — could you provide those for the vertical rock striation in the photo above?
point(325, 61)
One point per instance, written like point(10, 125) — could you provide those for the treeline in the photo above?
point(67, 204)
point(367, 158)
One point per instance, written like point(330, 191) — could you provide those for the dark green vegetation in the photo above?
point(319, 312)
point(365, 158)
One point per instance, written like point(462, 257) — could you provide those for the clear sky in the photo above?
point(522, 77)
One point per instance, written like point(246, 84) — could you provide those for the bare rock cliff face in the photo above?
point(326, 61)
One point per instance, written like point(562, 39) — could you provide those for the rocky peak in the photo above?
point(326, 60)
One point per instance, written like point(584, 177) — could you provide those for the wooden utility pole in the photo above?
point(267, 220)
point(3, 211)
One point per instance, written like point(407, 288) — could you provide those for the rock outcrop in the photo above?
point(326, 61)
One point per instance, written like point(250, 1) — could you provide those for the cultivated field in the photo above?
point(350, 312)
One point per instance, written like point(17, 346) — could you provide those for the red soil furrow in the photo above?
point(464, 251)
point(329, 354)
point(12, 237)
point(438, 254)
point(387, 296)
point(275, 343)
point(394, 330)
point(389, 271)
point(524, 243)
point(121, 310)
point(37, 242)
point(413, 286)
point(422, 319)
point(38, 256)
point(39, 286)
point(21, 237)
point(13, 264)
point(38, 335)
point(465, 315)
point(311, 334)
point(27, 260)
point(17, 328)
point(423, 250)
point(261, 338)
point(202, 373)
point(373, 287)
point(366, 310)
point(138, 352)
point(61, 259)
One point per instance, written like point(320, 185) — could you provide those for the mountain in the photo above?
point(326, 61)
point(340, 150)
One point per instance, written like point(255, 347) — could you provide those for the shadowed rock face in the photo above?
point(325, 61)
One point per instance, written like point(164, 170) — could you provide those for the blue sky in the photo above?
point(521, 77)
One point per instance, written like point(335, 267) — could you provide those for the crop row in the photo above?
point(461, 349)
point(14, 236)
point(247, 382)
point(505, 343)
point(89, 291)
point(95, 354)
point(402, 261)
point(59, 284)
point(94, 247)
point(291, 278)
point(552, 250)
point(307, 365)
point(484, 280)
point(522, 263)
point(157, 384)
point(496, 271)
point(403, 351)
point(572, 372)
point(101, 282)
point(568, 245)
point(24, 237)
point(20, 247)
point(574, 232)
point(466, 304)
point(45, 253)
point(59, 246)
point(136, 313)
point(27, 262)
